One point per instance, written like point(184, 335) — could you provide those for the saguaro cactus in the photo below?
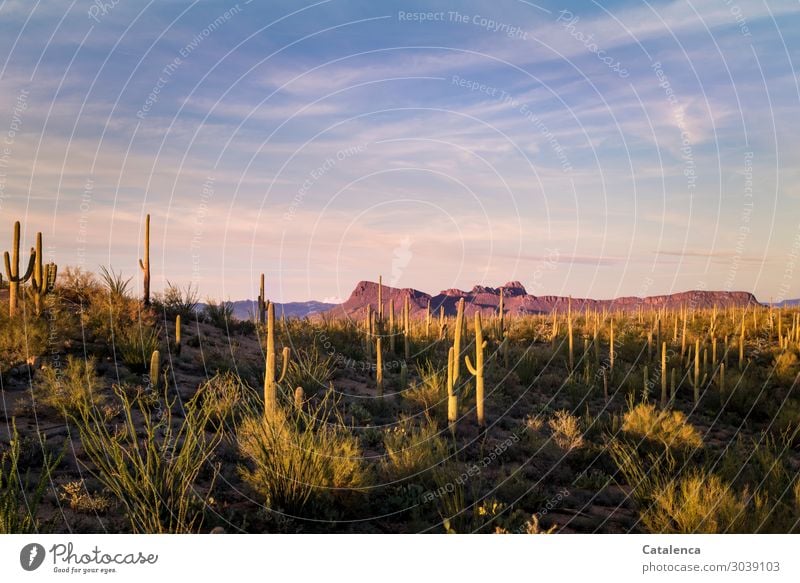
point(569, 334)
point(391, 327)
point(144, 264)
point(501, 314)
point(477, 370)
point(457, 338)
point(428, 320)
point(452, 397)
point(12, 271)
point(379, 367)
point(407, 328)
point(611, 347)
point(664, 374)
point(262, 302)
point(177, 335)
point(155, 369)
point(43, 279)
point(270, 382)
point(380, 300)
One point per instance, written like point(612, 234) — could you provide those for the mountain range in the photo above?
point(487, 299)
point(518, 301)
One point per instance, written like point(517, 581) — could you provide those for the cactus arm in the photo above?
point(286, 355)
point(9, 275)
point(31, 263)
point(471, 368)
point(141, 265)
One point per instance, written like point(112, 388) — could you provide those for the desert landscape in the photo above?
point(396, 411)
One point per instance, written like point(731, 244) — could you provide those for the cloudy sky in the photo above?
point(586, 148)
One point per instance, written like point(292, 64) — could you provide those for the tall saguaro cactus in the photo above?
point(12, 271)
point(262, 302)
point(43, 279)
point(144, 264)
point(664, 396)
point(477, 370)
point(502, 314)
point(457, 339)
point(379, 367)
point(452, 397)
point(569, 333)
point(270, 382)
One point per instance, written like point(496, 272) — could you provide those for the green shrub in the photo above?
point(669, 428)
point(174, 301)
point(310, 368)
point(430, 393)
point(226, 398)
point(150, 462)
point(20, 497)
point(135, 345)
point(219, 314)
point(412, 450)
point(72, 388)
point(699, 503)
point(296, 458)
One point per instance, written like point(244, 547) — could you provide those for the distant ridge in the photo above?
point(518, 301)
point(245, 309)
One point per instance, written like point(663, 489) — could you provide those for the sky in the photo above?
point(592, 149)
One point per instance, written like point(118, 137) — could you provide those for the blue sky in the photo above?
point(583, 148)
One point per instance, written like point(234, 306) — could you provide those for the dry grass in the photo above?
point(412, 449)
point(699, 503)
point(669, 428)
point(294, 458)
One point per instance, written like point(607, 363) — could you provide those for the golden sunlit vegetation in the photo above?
point(179, 417)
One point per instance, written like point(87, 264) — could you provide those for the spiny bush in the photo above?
point(294, 459)
point(566, 430)
point(669, 428)
point(412, 450)
point(310, 368)
point(20, 496)
point(77, 286)
point(71, 388)
point(699, 503)
point(174, 301)
point(150, 462)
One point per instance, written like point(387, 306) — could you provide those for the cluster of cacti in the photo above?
point(271, 382)
point(43, 279)
point(12, 271)
point(477, 370)
point(144, 264)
